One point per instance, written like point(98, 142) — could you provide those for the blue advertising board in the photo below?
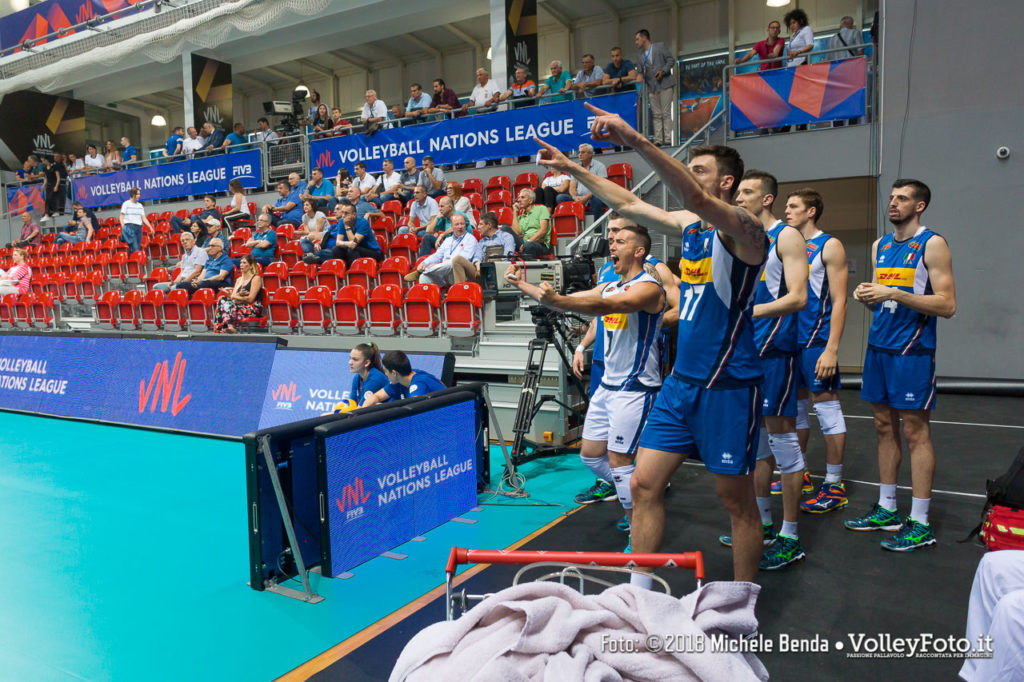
point(391, 481)
point(205, 175)
point(564, 125)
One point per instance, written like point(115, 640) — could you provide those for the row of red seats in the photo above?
point(619, 173)
point(27, 311)
point(155, 310)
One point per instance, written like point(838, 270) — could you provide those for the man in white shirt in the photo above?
point(437, 269)
point(366, 183)
point(423, 207)
point(389, 180)
point(263, 132)
point(578, 191)
point(193, 260)
point(192, 143)
point(485, 94)
point(374, 111)
point(93, 161)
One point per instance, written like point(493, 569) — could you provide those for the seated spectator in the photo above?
point(192, 143)
point(174, 143)
point(190, 267)
point(532, 224)
point(17, 279)
point(405, 383)
point(239, 208)
point(444, 100)
point(410, 177)
point(522, 91)
point(432, 178)
point(74, 164)
point(133, 217)
point(366, 183)
point(461, 202)
point(355, 238)
point(208, 230)
point(287, 209)
point(317, 246)
point(112, 156)
point(589, 77)
point(92, 160)
point(297, 183)
point(364, 209)
point(419, 103)
point(375, 112)
point(244, 301)
point(494, 244)
point(341, 125)
point(342, 181)
point(422, 209)
point(72, 225)
point(437, 268)
point(86, 228)
point(263, 131)
point(217, 270)
point(214, 138)
point(31, 233)
point(27, 172)
point(551, 187)
point(996, 612)
point(322, 122)
point(388, 182)
point(185, 224)
point(766, 50)
point(620, 73)
point(558, 85)
point(263, 242)
point(368, 374)
point(129, 154)
point(437, 227)
point(314, 227)
point(578, 191)
point(485, 95)
point(320, 191)
point(236, 138)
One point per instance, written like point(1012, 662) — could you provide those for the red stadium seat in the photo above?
point(7, 311)
point(149, 310)
point(23, 310)
point(41, 312)
point(349, 310)
point(504, 217)
point(498, 183)
point(525, 181)
point(498, 199)
point(476, 201)
point(155, 276)
point(285, 232)
point(331, 274)
point(393, 271)
point(68, 288)
point(567, 221)
point(135, 268)
point(385, 224)
point(200, 310)
point(291, 253)
point(157, 249)
point(363, 272)
point(462, 309)
point(621, 174)
point(422, 310)
point(315, 310)
point(238, 238)
point(385, 310)
point(406, 245)
point(302, 276)
point(174, 310)
point(118, 267)
point(90, 289)
point(473, 185)
point(128, 310)
point(172, 249)
point(106, 310)
point(275, 276)
point(392, 209)
point(282, 310)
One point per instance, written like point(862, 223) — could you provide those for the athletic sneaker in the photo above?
point(781, 553)
point(807, 488)
point(769, 535)
point(913, 535)
point(601, 491)
point(876, 519)
point(623, 525)
point(629, 546)
point(827, 497)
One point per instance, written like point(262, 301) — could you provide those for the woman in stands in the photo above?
point(342, 181)
point(322, 121)
point(364, 363)
point(244, 301)
point(239, 207)
point(551, 187)
point(111, 157)
point(462, 205)
point(314, 223)
point(16, 280)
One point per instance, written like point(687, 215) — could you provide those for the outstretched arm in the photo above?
point(644, 296)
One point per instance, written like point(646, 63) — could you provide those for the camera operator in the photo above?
point(632, 308)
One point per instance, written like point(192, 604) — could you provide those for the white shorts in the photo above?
point(618, 417)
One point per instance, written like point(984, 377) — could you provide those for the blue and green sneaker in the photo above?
point(878, 518)
point(623, 524)
point(769, 535)
point(781, 553)
point(913, 535)
point(601, 491)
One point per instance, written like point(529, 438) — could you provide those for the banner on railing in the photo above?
point(52, 15)
point(206, 175)
point(472, 138)
point(828, 91)
point(24, 197)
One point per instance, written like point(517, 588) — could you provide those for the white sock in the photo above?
point(887, 496)
point(600, 467)
point(764, 505)
point(621, 477)
point(919, 509)
point(833, 473)
point(789, 530)
point(641, 580)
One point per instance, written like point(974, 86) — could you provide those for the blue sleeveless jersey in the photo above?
point(774, 336)
point(604, 276)
point(715, 346)
point(896, 328)
point(814, 321)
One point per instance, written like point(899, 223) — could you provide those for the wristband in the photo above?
point(581, 348)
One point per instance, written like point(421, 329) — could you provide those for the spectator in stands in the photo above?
point(364, 209)
point(461, 202)
point(322, 243)
point(590, 76)
point(174, 143)
point(552, 187)
point(236, 138)
point(27, 172)
point(73, 223)
point(133, 217)
point(31, 233)
point(320, 191)
point(74, 164)
point(521, 91)
point(375, 112)
point(389, 181)
point(17, 279)
point(368, 374)
point(314, 105)
point(192, 143)
point(444, 100)
point(112, 157)
point(92, 160)
point(366, 183)
point(620, 73)
point(209, 229)
point(190, 267)
point(297, 183)
point(578, 191)
point(405, 383)
point(129, 154)
point(314, 227)
point(801, 39)
point(418, 104)
point(494, 244)
point(342, 181)
point(656, 75)
point(421, 211)
point(86, 228)
point(767, 50)
point(558, 84)
point(322, 121)
point(263, 132)
point(437, 268)
point(214, 138)
point(53, 184)
point(287, 208)
point(355, 238)
point(244, 300)
point(432, 178)
point(434, 230)
point(239, 207)
point(532, 223)
point(410, 177)
point(849, 37)
point(185, 224)
point(263, 242)
point(340, 125)
point(485, 94)
point(218, 270)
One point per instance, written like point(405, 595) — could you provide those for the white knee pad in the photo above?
point(830, 417)
point(786, 448)
point(621, 476)
point(802, 422)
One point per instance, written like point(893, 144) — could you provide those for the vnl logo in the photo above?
point(323, 162)
point(353, 497)
point(212, 114)
point(165, 388)
point(285, 395)
point(43, 141)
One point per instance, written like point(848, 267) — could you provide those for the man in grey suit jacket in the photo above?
point(655, 70)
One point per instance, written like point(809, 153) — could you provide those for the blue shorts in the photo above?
point(779, 389)
point(903, 382)
point(596, 374)
point(718, 427)
point(807, 377)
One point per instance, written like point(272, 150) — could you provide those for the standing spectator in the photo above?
point(213, 137)
point(286, 209)
point(588, 77)
point(432, 178)
point(532, 223)
point(190, 267)
point(437, 269)
point(419, 103)
point(185, 224)
point(244, 300)
point(375, 112)
point(52, 183)
point(320, 191)
point(444, 99)
point(767, 50)
point(175, 142)
point(801, 39)
point(314, 105)
point(849, 37)
point(368, 374)
point(578, 191)
point(133, 217)
point(461, 202)
point(31, 233)
point(494, 244)
point(355, 238)
point(239, 208)
point(314, 227)
point(192, 143)
point(551, 187)
point(655, 73)
point(485, 94)
point(111, 157)
point(422, 209)
point(92, 160)
point(620, 73)
point(558, 84)
point(263, 131)
point(389, 183)
point(322, 121)
point(236, 138)
point(129, 154)
point(522, 91)
point(84, 233)
point(74, 164)
point(17, 279)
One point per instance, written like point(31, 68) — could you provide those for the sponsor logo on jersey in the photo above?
point(616, 321)
point(896, 277)
point(915, 246)
point(695, 271)
point(885, 246)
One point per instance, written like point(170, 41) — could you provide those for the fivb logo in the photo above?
point(43, 141)
point(165, 388)
point(212, 114)
point(353, 497)
point(285, 395)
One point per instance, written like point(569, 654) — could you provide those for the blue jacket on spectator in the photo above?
point(172, 143)
point(294, 215)
point(422, 384)
point(362, 227)
point(216, 139)
point(129, 152)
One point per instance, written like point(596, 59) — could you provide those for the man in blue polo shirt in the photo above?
point(218, 271)
point(129, 154)
point(263, 242)
point(174, 142)
point(405, 383)
point(320, 191)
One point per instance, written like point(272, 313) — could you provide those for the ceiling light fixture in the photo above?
point(158, 121)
